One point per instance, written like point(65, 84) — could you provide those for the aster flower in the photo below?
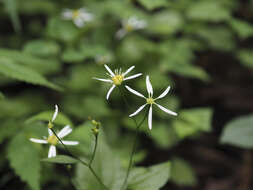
point(53, 140)
point(78, 16)
point(150, 101)
point(117, 77)
point(129, 25)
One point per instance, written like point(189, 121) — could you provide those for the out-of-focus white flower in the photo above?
point(129, 25)
point(78, 16)
point(150, 101)
point(53, 140)
point(117, 77)
point(102, 59)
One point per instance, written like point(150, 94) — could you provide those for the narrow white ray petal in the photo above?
point(52, 151)
point(166, 110)
point(128, 70)
point(50, 133)
point(55, 113)
point(41, 141)
point(138, 110)
point(67, 14)
point(149, 86)
point(164, 93)
point(133, 76)
point(134, 91)
point(70, 142)
point(79, 22)
point(104, 80)
point(65, 131)
point(120, 33)
point(110, 91)
point(86, 16)
point(150, 117)
point(109, 70)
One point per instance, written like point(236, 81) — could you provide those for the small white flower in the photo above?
point(102, 59)
point(53, 140)
point(78, 16)
point(55, 113)
point(117, 77)
point(129, 25)
point(150, 101)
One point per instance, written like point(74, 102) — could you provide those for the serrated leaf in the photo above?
point(60, 159)
point(25, 74)
point(182, 173)
point(192, 121)
point(239, 132)
point(153, 4)
point(24, 159)
point(151, 178)
point(61, 119)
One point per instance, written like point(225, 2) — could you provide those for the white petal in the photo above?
point(70, 142)
point(164, 93)
point(149, 86)
point(138, 110)
point(50, 133)
point(109, 70)
point(52, 151)
point(110, 91)
point(166, 110)
point(79, 22)
point(134, 91)
point(55, 113)
point(86, 16)
point(128, 70)
point(133, 76)
point(104, 80)
point(64, 132)
point(41, 141)
point(121, 33)
point(67, 14)
point(150, 117)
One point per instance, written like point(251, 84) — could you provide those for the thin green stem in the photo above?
point(81, 161)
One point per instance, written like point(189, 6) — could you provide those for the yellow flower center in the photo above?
point(118, 79)
point(75, 14)
point(129, 28)
point(150, 101)
point(52, 140)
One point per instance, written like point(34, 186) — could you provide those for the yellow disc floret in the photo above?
point(150, 101)
point(52, 140)
point(75, 14)
point(129, 27)
point(118, 79)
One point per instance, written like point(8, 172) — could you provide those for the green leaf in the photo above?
point(24, 159)
point(42, 48)
point(242, 28)
point(61, 119)
point(22, 73)
point(151, 178)
point(246, 57)
point(239, 132)
point(192, 121)
point(153, 4)
point(11, 7)
point(1, 96)
point(182, 173)
point(61, 159)
point(208, 11)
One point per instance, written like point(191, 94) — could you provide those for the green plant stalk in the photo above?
point(81, 161)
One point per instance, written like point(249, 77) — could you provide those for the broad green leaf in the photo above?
point(24, 159)
point(182, 173)
point(8, 128)
point(61, 119)
point(107, 166)
point(246, 57)
point(242, 28)
point(11, 7)
point(22, 73)
point(153, 4)
point(37, 7)
point(1, 96)
point(239, 132)
point(42, 48)
point(192, 121)
point(208, 11)
point(61, 159)
point(151, 178)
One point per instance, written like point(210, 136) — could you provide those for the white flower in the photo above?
point(117, 77)
point(78, 16)
point(129, 25)
point(53, 140)
point(150, 101)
